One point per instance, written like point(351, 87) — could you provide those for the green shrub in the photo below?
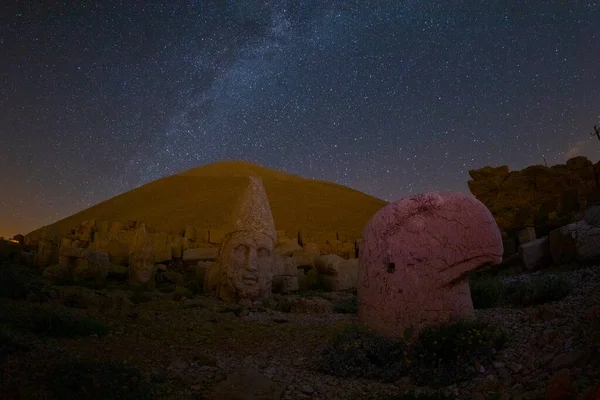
point(540, 290)
point(346, 306)
point(489, 292)
point(53, 324)
point(17, 282)
point(91, 380)
point(359, 352)
point(441, 355)
point(446, 353)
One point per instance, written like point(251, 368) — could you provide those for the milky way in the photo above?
point(391, 99)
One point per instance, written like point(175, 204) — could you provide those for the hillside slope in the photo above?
point(205, 196)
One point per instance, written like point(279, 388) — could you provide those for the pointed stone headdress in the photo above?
point(141, 240)
point(253, 213)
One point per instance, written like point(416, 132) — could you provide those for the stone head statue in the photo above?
point(141, 258)
point(246, 256)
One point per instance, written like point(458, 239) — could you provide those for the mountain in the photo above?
point(205, 197)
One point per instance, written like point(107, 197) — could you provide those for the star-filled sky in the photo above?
point(388, 97)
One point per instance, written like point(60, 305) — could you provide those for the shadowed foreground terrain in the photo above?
point(204, 197)
point(536, 336)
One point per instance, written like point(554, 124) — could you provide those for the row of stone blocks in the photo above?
point(115, 238)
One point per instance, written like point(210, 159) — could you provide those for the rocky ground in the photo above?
point(168, 346)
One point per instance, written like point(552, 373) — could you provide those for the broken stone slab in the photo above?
point(535, 254)
point(563, 244)
point(200, 254)
point(339, 274)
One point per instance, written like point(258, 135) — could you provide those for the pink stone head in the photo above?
point(415, 256)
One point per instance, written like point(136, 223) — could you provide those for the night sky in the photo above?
point(391, 98)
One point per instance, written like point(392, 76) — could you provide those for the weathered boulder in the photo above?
point(177, 247)
point(535, 254)
point(540, 196)
point(562, 244)
point(526, 235)
point(200, 270)
point(95, 266)
point(587, 243)
point(575, 242)
point(288, 248)
point(339, 274)
point(310, 305)
point(118, 252)
point(312, 249)
point(161, 247)
point(47, 252)
point(200, 254)
point(285, 279)
point(592, 216)
point(415, 257)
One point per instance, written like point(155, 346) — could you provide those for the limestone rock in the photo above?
point(200, 270)
point(200, 254)
point(47, 252)
point(288, 248)
point(414, 258)
point(313, 305)
point(340, 274)
point(118, 252)
point(535, 254)
point(216, 236)
point(592, 216)
point(526, 235)
point(562, 243)
point(285, 279)
point(587, 243)
point(161, 247)
point(95, 266)
point(538, 195)
point(177, 247)
point(284, 284)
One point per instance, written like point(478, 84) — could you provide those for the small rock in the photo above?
point(179, 365)
point(298, 362)
point(196, 388)
point(514, 367)
point(307, 389)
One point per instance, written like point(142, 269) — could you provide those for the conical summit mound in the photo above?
point(206, 196)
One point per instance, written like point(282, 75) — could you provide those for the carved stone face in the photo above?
point(246, 263)
point(141, 265)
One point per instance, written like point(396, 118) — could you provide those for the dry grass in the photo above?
point(205, 197)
